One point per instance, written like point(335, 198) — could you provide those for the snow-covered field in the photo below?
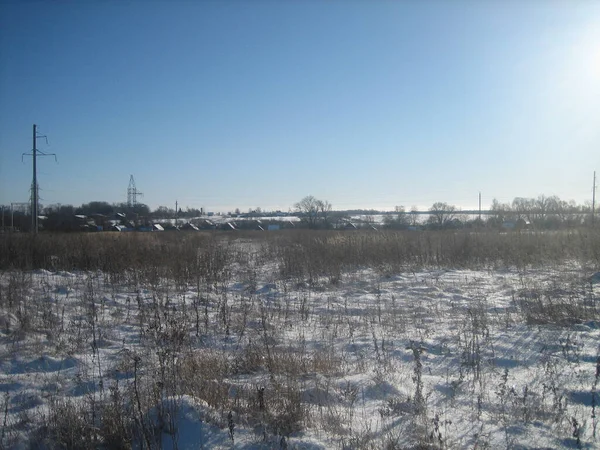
point(431, 359)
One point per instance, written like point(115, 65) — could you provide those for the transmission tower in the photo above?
point(34, 184)
point(132, 193)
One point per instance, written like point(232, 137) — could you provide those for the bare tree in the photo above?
point(313, 209)
point(562, 212)
point(541, 206)
point(523, 207)
point(441, 214)
point(414, 216)
point(398, 220)
point(500, 212)
point(324, 209)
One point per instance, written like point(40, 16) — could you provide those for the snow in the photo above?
point(455, 358)
point(188, 429)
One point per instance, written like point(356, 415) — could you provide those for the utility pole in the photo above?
point(480, 206)
point(12, 212)
point(593, 198)
point(34, 187)
point(34, 184)
point(176, 213)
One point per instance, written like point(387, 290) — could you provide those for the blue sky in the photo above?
point(238, 104)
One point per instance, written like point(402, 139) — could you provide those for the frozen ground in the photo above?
point(435, 359)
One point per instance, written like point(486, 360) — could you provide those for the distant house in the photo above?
point(84, 223)
point(205, 224)
point(249, 224)
point(100, 219)
point(519, 224)
point(170, 227)
point(345, 225)
point(228, 226)
point(189, 227)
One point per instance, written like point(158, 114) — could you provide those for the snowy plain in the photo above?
point(501, 358)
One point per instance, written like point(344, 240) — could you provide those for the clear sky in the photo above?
point(241, 104)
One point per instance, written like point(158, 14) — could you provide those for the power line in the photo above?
point(132, 193)
point(34, 184)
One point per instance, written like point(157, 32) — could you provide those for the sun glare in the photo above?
point(580, 75)
point(589, 54)
point(595, 61)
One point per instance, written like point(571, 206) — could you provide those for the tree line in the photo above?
point(69, 218)
point(542, 212)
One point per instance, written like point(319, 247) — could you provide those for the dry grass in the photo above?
point(235, 348)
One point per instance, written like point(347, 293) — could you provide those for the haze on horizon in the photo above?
point(227, 105)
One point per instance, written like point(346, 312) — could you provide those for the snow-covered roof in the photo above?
point(189, 226)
